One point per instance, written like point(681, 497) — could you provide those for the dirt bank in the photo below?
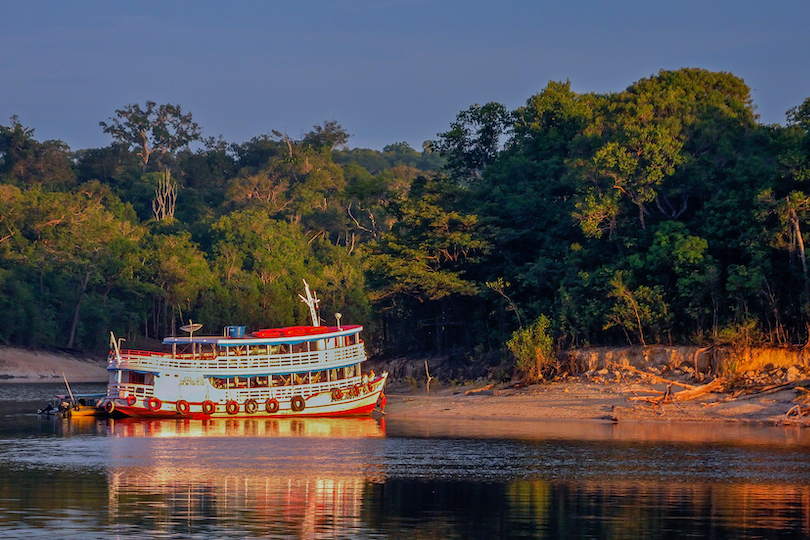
point(24, 366)
point(599, 398)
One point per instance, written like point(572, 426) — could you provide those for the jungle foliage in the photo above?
point(664, 213)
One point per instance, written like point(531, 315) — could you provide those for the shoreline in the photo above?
point(581, 399)
point(32, 366)
point(585, 397)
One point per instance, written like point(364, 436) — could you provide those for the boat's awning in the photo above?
point(224, 341)
point(81, 396)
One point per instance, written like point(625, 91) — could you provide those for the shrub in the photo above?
point(533, 350)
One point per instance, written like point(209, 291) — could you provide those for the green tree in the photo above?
point(24, 161)
point(152, 130)
point(474, 140)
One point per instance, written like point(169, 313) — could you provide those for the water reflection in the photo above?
point(361, 478)
point(244, 427)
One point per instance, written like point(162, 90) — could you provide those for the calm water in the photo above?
point(360, 478)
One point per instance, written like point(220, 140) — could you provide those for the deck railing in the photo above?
point(238, 365)
point(123, 390)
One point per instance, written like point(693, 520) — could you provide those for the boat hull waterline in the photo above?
point(323, 404)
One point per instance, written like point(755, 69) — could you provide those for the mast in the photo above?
point(311, 300)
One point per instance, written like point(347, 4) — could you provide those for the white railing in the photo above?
point(234, 365)
point(287, 392)
point(123, 390)
point(142, 391)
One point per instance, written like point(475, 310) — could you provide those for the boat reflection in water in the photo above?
point(244, 475)
point(250, 427)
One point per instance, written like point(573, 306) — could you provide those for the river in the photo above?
point(366, 478)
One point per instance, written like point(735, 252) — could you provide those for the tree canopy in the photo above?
point(664, 213)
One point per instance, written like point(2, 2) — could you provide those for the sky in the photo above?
point(386, 70)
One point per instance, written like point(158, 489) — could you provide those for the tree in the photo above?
point(474, 140)
point(24, 161)
point(152, 130)
point(329, 136)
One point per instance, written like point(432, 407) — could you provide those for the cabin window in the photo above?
point(137, 378)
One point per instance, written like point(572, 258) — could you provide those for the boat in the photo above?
point(80, 404)
point(313, 370)
point(70, 404)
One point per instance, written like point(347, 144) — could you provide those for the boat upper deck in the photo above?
point(274, 336)
point(249, 356)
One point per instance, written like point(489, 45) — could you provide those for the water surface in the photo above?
point(364, 478)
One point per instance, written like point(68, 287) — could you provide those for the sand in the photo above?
point(28, 366)
point(580, 399)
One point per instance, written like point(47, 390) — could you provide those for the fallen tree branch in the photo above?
point(655, 377)
point(477, 390)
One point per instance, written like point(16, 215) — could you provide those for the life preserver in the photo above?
point(131, 400)
point(251, 406)
point(357, 390)
point(337, 394)
point(208, 407)
point(153, 404)
point(109, 407)
point(271, 406)
point(182, 407)
point(297, 404)
point(232, 407)
point(369, 388)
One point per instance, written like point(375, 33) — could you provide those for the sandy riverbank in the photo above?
point(28, 366)
point(581, 399)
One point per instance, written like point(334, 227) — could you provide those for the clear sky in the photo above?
point(386, 70)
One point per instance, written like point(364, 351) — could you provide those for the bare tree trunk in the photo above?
point(75, 323)
point(794, 222)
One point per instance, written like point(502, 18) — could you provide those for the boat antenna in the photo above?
point(311, 300)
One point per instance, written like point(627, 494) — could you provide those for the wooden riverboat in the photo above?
point(294, 371)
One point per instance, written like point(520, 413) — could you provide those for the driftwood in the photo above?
point(477, 390)
point(674, 398)
point(656, 378)
point(768, 390)
point(800, 409)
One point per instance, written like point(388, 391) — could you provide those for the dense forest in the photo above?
point(661, 214)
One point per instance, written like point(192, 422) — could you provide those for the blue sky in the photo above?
point(386, 70)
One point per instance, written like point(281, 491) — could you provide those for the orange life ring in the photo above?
point(271, 406)
point(337, 394)
point(297, 404)
point(131, 400)
point(153, 404)
point(109, 407)
point(182, 407)
point(208, 407)
point(232, 407)
point(251, 406)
